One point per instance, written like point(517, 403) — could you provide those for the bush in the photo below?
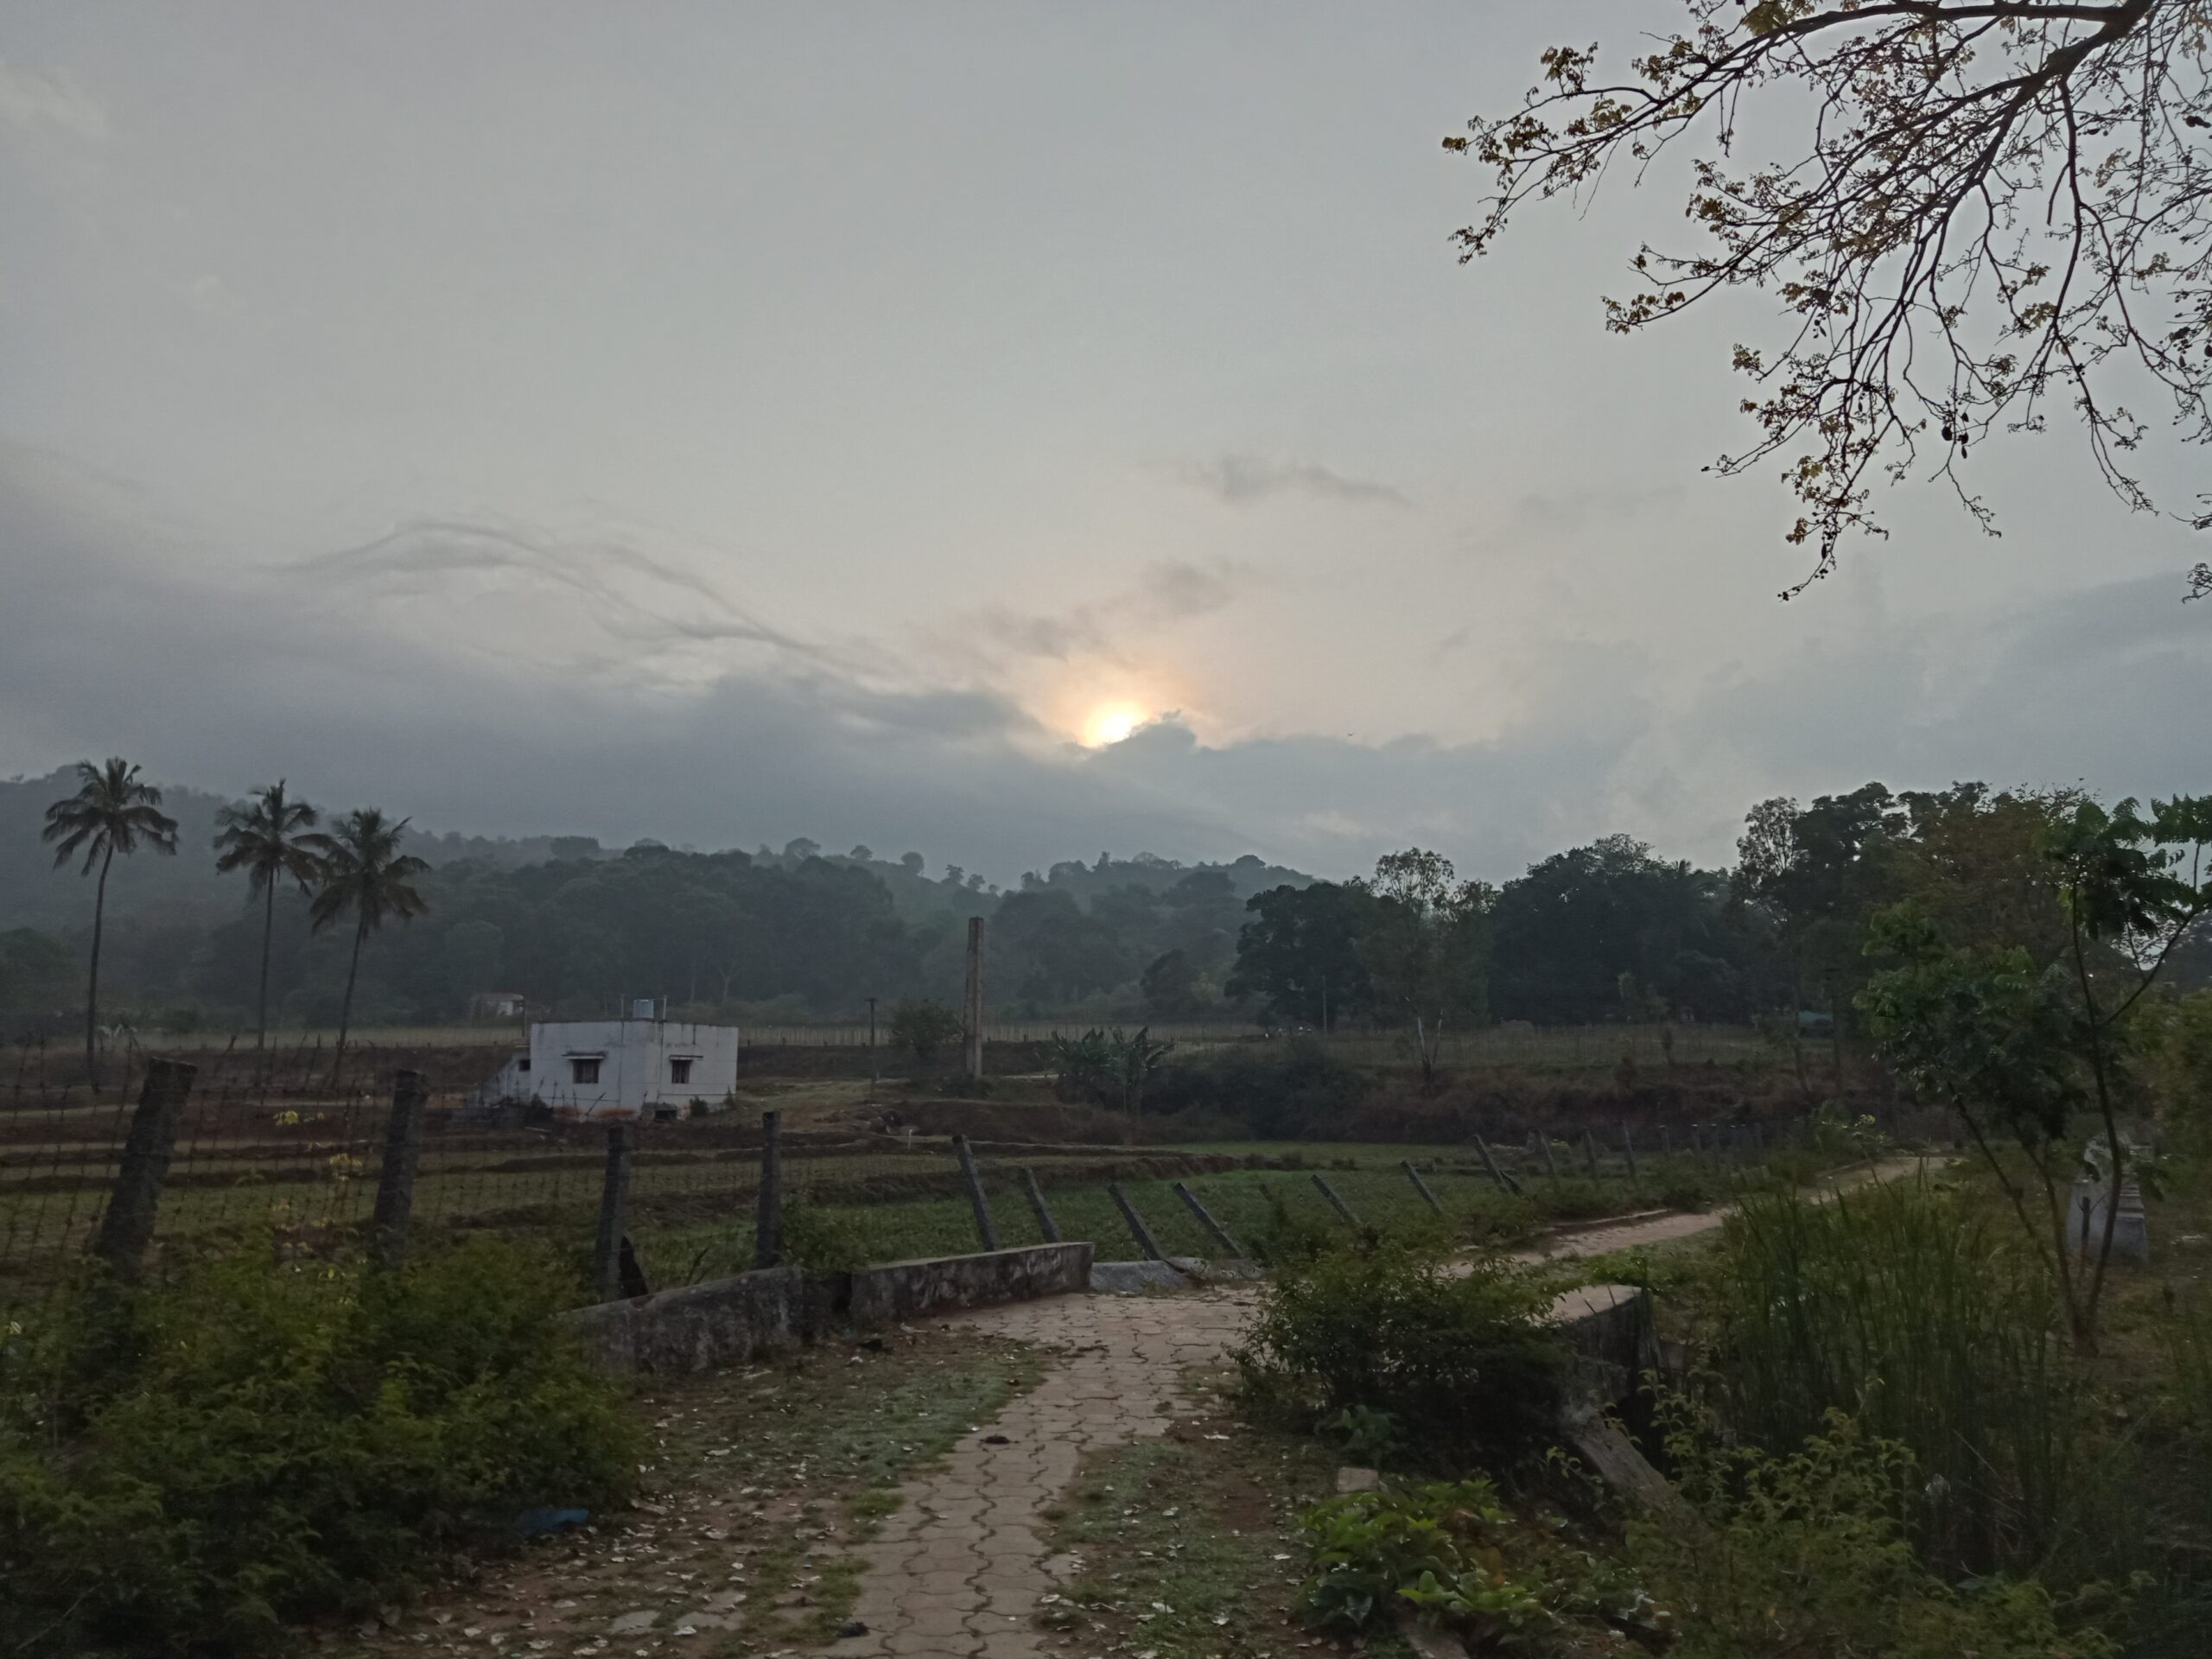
point(1808, 1555)
point(191, 1468)
point(1893, 1304)
point(924, 1026)
point(1442, 1549)
point(1279, 1091)
point(1455, 1355)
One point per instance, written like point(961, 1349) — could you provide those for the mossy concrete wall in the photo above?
point(727, 1321)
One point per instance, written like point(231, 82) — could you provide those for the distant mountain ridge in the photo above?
point(35, 893)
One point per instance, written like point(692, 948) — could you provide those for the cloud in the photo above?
point(34, 100)
point(1242, 480)
point(358, 674)
point(1167, 593)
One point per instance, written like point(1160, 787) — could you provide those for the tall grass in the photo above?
point(1894, 1305)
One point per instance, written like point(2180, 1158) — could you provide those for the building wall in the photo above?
point(635, 1073)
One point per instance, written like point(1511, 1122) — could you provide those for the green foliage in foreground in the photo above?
point(1453, 1356)
point(1442, 1549)
point(1810, 1556)
point(189, 1469)
point(1933, 1331)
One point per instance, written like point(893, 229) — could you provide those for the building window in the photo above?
point(679, 1070)
point(523, 1064)
point(585, 1071)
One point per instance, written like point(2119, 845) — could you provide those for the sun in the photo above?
point(1110, 723)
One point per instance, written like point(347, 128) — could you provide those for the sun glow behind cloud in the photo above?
point(1110, 723)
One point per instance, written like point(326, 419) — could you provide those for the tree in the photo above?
point(1425, 945)
point(1608, 932)
point(1170, 985)
point(34, 972)
point(1299, 953)
point(112, 812)
point(268, 835)
point(1993, 206)
point(364, 875)
point(1981, 1029)
point(924, 1026)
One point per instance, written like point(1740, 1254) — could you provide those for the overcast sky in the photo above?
point(730, 422)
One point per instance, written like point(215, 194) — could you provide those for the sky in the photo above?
point(729, 423)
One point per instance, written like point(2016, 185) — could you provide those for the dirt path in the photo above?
point(958, 1570)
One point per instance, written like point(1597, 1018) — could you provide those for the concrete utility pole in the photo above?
point(875, 1071)
point(972, 1012)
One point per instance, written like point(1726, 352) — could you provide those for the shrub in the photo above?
point(1442, 1549)
point(924, 1026)
point(1894, 1305)
point(191, 1468)
point(1809, 1555)
point(1455, 1355)
point(1279, 1091)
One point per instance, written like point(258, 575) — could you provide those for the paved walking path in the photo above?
point(958, 1570)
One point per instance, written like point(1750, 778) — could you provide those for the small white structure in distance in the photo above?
point(619, 1068)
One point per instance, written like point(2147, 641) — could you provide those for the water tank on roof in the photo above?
point(641, 1008)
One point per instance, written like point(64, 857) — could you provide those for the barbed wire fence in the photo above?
point(294, 1152)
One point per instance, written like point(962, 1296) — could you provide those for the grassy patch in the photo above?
point(1187, 1547)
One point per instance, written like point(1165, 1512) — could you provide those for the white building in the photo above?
point(619, 1068)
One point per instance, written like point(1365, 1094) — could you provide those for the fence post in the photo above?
point(1045, 1224)
point(1496, 1174)
point(1337, 1204)
point(768, 1230)
point(1138, 1231)
point(1667, 1140)
point(1590, 1153)
point(1628, 1145)
point(984, 1229)
point(1206, 1220)
point(614, 1218)
point(127, 1227)
point(402, 1152)
point(1551, 1163)
point(1420, 1186)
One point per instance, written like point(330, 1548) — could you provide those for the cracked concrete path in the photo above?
point(960, 1568)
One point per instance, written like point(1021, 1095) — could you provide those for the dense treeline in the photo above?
point(1611, 931)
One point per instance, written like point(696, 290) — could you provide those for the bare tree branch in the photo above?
point(1995, 205)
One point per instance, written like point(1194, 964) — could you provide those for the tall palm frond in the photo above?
point(267, 836)
point(112, 812)
point(363, 872)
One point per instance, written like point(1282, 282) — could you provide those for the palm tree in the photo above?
point(264, 836)
point(364, 872)
point(112, 812)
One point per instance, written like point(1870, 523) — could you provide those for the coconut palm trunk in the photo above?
point(261, 1000)
point(346, 1008)
point(92, 984)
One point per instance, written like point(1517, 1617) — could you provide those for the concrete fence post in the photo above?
point(985, 1228)
point(1551, 1163)
point(971, 1006)
point(403, 1155)
point(768, 1229)
point(1497, 1174)
point(127, 1228)
point(1336, 1203)
point(614, 1217)
point(1206, 1219)
point(1628, 1149)
point(1590, 1153)
point(1138, 1231)
point(1420, 1186)
point(1045, 1224)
